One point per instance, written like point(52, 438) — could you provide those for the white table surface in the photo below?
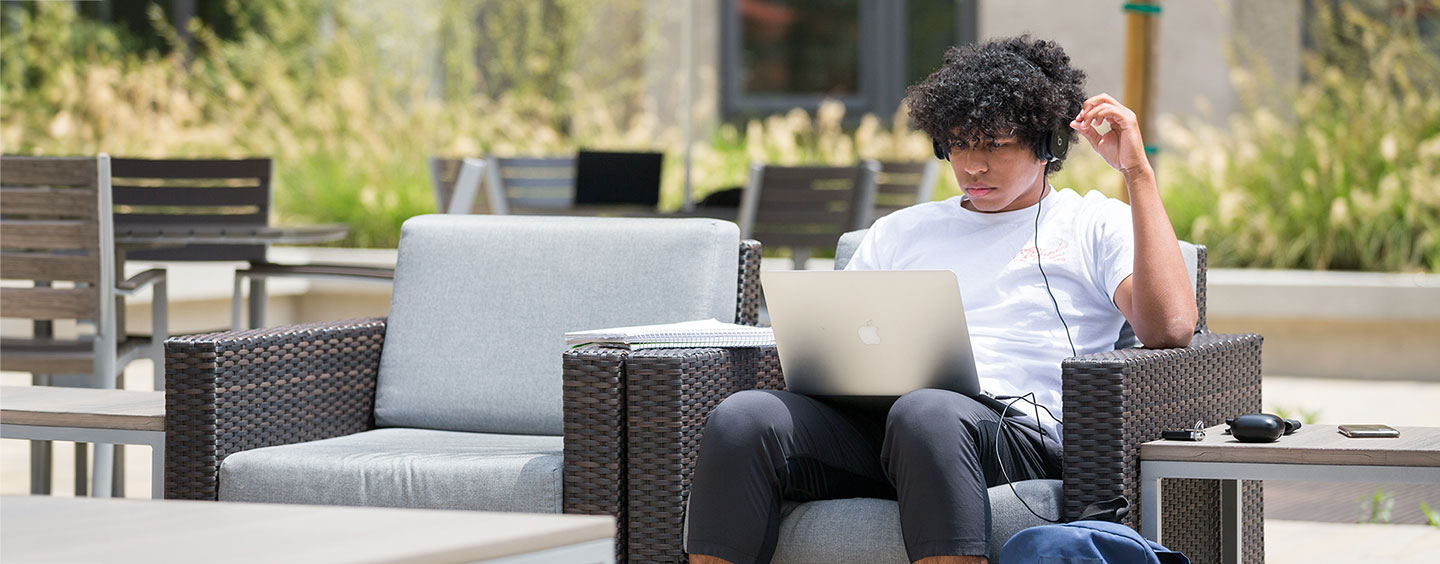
point(51, 529)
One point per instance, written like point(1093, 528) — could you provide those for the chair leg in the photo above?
point(102, 475)
point(82, 469)
point(117, 465)
point(238, 296)
point(117, 477)
point(40, 467)
point(801, 255)
point(160, 330)
point(40, 452)
point(258, 299)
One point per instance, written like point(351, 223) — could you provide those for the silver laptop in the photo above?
point(875, 333)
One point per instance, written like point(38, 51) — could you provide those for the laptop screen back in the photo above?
point(877, 333)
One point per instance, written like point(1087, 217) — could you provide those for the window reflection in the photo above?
point(799, 46)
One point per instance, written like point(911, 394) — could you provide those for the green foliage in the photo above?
point(347, 96)
point(351, 98)
point(1344, 174)
point(1431, 516)
point(1304, 416)
point(1377, 507)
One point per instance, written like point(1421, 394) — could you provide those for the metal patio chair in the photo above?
point(216, 191)
point(57, 234)
point(806, 207)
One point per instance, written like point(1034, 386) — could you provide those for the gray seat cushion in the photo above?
point(416, 468)
point(868, 530)
point(481, 305)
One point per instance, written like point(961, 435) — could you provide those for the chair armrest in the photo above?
point(1114, 401)
point(594, 426)
point(134, 284)
point(375, 273)
point(632, 427)
point(747, 302)
point(234, 391)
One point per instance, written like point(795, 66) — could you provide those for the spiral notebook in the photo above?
point(704, 333)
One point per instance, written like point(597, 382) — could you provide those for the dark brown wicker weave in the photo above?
point(234, 391)
point(1113, 401)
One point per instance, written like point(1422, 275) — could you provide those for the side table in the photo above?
point(1314, 453)
point(86, 415)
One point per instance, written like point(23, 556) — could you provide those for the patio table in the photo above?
point(1313, 453)
point(83, 415)
point(171, 235)
point(50, 529)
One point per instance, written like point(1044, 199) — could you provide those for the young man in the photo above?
point(1045, 275)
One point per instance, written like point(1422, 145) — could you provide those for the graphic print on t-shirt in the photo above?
point(1057, 251)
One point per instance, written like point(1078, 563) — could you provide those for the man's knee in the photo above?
point(743, 417)
point(931, 411)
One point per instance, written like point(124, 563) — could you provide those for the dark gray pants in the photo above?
point(933, 451)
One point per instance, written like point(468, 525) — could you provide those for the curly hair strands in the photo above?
point(1008, 86)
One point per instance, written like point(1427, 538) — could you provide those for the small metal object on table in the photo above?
point(163, 235)
point(85, 415)
point(45, 529)
point(1314, 453)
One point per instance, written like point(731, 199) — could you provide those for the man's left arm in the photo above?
point(1156, 298)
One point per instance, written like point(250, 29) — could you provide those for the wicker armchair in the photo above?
point(633, 423)
point(233, 397)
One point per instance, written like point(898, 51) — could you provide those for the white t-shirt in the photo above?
point(1087, 245)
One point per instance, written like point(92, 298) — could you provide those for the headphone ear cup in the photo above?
point(1059, 145)
point(940, 152)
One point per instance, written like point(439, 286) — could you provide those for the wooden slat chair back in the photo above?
point(199, 191)
point(57, 258)
point(902, 184)
point(805, 207)
point(53, 212)
point(546, 183)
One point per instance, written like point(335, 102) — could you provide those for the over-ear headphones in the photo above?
point(1056, 146)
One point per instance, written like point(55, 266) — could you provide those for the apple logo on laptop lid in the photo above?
point(870, 334)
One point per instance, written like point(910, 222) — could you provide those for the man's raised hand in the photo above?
point(1121, 145)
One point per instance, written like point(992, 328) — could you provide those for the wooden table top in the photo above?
point(51, 529)
point(1312, 444)
point(82, 407)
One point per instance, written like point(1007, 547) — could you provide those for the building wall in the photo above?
point(1192, 63)
point(1192, 67)
point(665, 69)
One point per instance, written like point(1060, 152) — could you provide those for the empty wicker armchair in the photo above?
point(1113, 402)
point(453, 401)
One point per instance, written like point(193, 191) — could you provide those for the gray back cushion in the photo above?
point(481, 305)
point(845, 249)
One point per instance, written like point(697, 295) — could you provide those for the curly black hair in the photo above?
point(1008, 86)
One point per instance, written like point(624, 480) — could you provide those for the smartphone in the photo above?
point(1362, 431)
